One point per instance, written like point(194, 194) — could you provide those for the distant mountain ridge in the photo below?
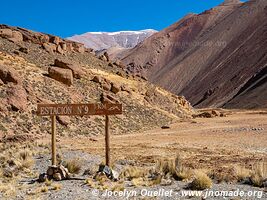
point(215, 59)
point(106, 40)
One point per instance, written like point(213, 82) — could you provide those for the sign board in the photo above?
point(78, 109)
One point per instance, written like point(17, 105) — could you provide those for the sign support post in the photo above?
point(107, 139)
point(54, 110)
point(53, 140)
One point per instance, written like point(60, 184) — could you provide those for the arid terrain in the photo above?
point(240, 138)
point(215, 59)
point(193, 118)
point(226, 148)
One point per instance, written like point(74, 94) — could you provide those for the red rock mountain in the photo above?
point(216, 58)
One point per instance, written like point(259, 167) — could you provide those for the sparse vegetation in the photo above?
point(44, 189)
point(242, 173)
point(174, 167)
point(134, 172)
point(259, 174)
point(56, 186)
point(73, 165)
point(201, 181)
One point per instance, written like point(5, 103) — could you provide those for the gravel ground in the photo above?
point(78, 190)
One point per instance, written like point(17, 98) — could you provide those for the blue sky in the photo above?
point(66, 18)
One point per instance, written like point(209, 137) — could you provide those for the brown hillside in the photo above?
point(225, 50)
point(30, 74)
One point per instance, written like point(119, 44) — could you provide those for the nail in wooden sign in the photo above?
point(78, 109)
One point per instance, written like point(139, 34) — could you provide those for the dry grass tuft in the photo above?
point(134, 172)
point(174, 167)
point(56, 186)
point(73, 165)
point(259, 174)
point(201, 181)
point(242, 173)
point(7, 190)
point(44, 189)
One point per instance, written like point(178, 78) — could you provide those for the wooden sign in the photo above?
point(78, 109)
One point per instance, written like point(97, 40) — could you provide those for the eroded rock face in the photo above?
point(49, 47)
point(75, 68)
point(12, 35)
point(61, 75)
point(17, 98)
point(8, 74)
point(115, 88)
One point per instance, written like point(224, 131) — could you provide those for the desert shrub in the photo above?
point(201, 181)
point(258, 174)
point(26, 159)
point(174, 167)
point(242, 173)
point(134, 172)
point(44, 189)
point(73, 165)
point(56, 186)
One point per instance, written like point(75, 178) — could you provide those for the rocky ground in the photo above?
point(32, 73)
point(227, 149)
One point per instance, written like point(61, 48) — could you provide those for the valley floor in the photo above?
point(238, 138)
point(214, 145)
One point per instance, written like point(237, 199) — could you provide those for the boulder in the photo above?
point(55, 40)
point(78, 47)
point(63, 120)
point(8, 74)
point(57, 176)
point(69, 46)
point(75, 68)
point(107, 98)
point(62, 75)
point(6, 33)
point(17, 98)
point(24, 50)
point(107, 56)
point(63, 46)
point(165, 127)
point(42, 178)
point(125, 88)
point(115, 88)
point(102, 57)
point(215, 113)
point(97, 79)
point(43, 38)
point(59, 49)
point(16, 36)
point(106, 86)
point(50, 48)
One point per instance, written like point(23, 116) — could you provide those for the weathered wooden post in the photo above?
point(53, 140)
point(107, 139)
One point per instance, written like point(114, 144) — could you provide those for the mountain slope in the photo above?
point(25, 81)
point(106, 40)
point(210, 56)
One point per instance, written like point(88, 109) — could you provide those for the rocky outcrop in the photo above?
point(17, 98)
point(8, 74)
point(75, 68)
point(51, 43)
point(62, 75)
point(14, 36)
